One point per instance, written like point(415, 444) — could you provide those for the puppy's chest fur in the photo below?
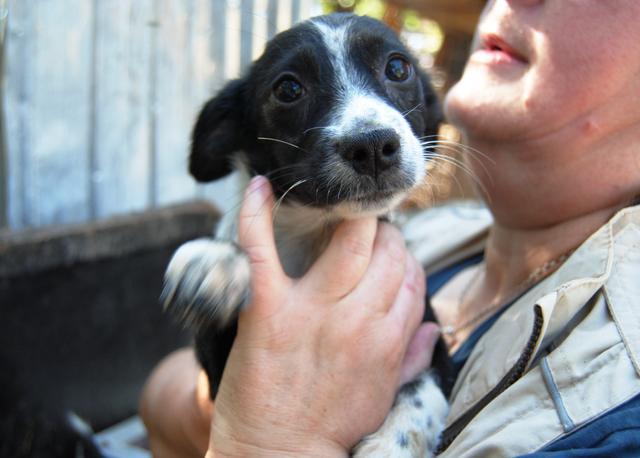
point(301, 235)
point(300, 240)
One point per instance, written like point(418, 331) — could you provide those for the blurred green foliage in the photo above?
point(373, 8)
point(412, 22)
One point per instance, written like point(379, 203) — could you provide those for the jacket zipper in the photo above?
point(517, 371)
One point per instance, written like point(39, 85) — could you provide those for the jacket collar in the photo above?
point(559, 298)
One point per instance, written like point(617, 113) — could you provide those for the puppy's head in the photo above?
point(332, 113)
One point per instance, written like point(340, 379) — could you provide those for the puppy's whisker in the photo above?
point(306, 131)
point(277, 140)
point(264, 202)
point(464, 147)
point(458, 164)
point(283, 172)
point(432, 194)
point(407, 113)
point(440, 152)
point(242, 195)
point(429, 136)
point(454, 148)
point(239, 197)
point(276, 207)
point(435, 139)
point(450, 160)
point(284, 167)
point(283, 179)
point(428, 184)
point(451, 174)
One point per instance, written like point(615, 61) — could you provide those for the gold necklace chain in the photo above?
point(534, 277)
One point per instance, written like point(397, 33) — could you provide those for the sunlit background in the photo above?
point(100, 95)
point(98, 100)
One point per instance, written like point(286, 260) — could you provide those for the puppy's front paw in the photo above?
point(206, 283)
point(414, 424)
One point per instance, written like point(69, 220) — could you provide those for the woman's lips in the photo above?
point(494, 50)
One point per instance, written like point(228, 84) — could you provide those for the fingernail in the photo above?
point(256, 192)
point(257, 184)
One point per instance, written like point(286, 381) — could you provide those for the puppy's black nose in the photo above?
point(371, 152)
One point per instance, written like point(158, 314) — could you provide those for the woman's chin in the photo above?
point(474, 111)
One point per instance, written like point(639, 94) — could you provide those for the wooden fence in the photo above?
point(100, 97)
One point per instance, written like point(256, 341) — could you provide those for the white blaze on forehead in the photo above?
point(335, 39)
point(361, 111)
point(360, 108)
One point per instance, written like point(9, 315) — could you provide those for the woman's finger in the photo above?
point(419, 352)
point(344, 262)
point(385, 273)
point(256, 237)
point(405, 316)
point(407, 310)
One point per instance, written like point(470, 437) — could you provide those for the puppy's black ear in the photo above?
point(218, 133)
point(432, 111)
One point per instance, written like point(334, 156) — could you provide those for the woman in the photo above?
point(544, 322)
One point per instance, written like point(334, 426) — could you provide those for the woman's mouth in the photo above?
point(494, 50)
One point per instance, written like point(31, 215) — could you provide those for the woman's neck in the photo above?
point(514, 259)
point(548, 195)
point(513, 255)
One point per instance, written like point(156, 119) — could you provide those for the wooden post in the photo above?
point(4, 179)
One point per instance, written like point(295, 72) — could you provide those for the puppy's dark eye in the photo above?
point(288, 89)
point(398, 69)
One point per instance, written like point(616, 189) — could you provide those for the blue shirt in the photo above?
point(615, 434)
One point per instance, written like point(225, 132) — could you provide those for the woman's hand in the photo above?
point(317, 361)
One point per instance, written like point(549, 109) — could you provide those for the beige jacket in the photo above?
point(562, 355)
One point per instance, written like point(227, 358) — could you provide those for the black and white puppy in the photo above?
point(333, 113)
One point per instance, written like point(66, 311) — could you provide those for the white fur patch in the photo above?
point(335, 39)
point(207, 281)
point(413, 426)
